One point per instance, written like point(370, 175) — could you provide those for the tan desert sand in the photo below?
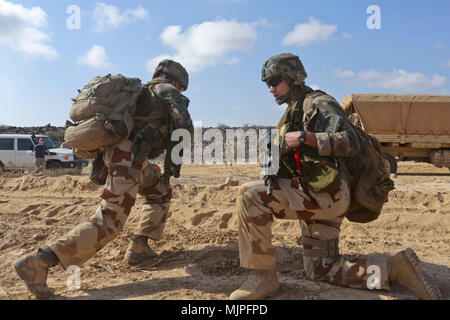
point(199, 250)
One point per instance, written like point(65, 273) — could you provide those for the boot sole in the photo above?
point(414, 264)
point(31, 287)
point(136, 262)
point(259, 296)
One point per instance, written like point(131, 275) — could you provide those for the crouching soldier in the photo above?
point(160, 109)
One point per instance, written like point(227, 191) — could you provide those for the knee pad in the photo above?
point(320, 248)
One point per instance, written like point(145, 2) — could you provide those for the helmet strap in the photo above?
point(286, 97)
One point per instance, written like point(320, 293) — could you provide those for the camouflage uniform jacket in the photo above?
point(160, 110)
point(317, 112)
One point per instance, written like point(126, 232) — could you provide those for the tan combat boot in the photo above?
point(138, 251)
point(404, 269)
point(258, 285)
point(33, 270)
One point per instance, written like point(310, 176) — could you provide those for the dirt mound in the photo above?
point(40, 184)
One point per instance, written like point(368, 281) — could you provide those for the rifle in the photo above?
point(269, 179)
point(99, 171)
point(171, 169)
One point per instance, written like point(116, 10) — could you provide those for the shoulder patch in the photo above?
point(325, 110)
point(328, 104)
point(312, 100)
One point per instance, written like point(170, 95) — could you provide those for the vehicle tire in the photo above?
point(54, 165)
point(392, 162)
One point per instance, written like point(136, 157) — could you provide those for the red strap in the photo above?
point(297, 158)
point(156, 167)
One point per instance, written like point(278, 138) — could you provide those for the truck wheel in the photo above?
point(392, 162)
point(54, 165)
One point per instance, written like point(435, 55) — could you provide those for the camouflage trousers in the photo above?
point(125, 180)
point(320, 218)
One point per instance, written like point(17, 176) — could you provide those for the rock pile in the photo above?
point(55, 133)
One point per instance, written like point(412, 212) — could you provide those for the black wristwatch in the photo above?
point(302, 137)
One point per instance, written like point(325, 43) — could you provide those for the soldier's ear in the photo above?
point(177, 84)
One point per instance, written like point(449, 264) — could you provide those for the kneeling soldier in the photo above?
point(315, 126)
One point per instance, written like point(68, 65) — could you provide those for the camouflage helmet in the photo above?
point(287, 65)
point(174, 70)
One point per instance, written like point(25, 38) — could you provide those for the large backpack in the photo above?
point(370, 179)
point(368, 171)
point(103, 114)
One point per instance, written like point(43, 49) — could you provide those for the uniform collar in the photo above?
point(301, 95)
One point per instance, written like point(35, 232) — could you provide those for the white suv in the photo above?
point(16, 152)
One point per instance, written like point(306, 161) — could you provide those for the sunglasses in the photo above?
point(274, 81)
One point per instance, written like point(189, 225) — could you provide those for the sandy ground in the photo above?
point(199, 249)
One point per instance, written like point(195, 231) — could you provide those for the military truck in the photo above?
point(409, 127)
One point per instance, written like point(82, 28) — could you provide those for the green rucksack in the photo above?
point(103, 114)
point(369, 179)
point(368, 170)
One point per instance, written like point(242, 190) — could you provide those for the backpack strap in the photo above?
point(157, 115)
point(157, 111)
point(131, 100)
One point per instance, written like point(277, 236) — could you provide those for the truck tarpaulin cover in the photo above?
point(401, 114)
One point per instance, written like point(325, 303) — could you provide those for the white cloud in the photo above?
point(448, 63)
point(343, 73)
point(233, 60)
point(401, 80)
point(20, 28)
point(96, 57)
point(314, 87)
point(263, 22)
point(207, 44)
point(396, 80)
point(138, 13)
point(304, 34)
point(347, 35)
point(108, 17)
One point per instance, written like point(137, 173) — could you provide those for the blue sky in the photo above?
point(223, 44)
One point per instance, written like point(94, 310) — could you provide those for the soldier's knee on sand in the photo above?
point(250, 189)
point(242, 190)
point(243, 196)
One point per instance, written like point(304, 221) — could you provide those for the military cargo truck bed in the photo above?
point(409, 127)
